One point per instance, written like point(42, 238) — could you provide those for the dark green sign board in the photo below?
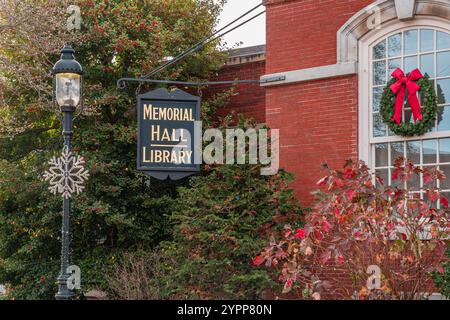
point(166, 133)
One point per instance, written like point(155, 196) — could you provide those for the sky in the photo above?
point(252, 33)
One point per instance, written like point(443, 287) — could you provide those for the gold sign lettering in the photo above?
point(168, 135)
point(169, 114)
point(174, 156)
point(167, 145)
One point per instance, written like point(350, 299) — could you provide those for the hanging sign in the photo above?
point(167, 123)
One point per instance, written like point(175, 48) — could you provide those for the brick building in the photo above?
point(323, 69)
point(250, 99)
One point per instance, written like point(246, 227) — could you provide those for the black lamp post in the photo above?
point(67, 94)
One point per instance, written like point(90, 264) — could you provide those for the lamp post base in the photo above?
point(63, 292)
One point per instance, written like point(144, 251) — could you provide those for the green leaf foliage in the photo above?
point(120, 209)
point(221, 222)
point(442, 279)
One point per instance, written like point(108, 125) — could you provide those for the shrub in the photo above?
point(359, 221)
point(442, 277)
point(221, 221)
point(121, 209)
point(138, 275)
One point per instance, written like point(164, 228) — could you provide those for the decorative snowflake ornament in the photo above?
point(66, 174)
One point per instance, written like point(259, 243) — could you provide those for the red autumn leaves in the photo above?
point(354, 208)
point(258, 261)
point(300, 234)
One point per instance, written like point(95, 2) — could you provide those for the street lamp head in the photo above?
point(67, 74)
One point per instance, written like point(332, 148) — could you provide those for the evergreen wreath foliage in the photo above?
point(429, 109)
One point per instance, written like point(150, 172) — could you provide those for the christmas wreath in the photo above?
point(392, 101)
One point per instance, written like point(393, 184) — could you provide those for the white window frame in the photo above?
point(365, 44)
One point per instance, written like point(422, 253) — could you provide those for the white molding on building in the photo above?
point(334, 70)
point(364, 22)
point(405, 9)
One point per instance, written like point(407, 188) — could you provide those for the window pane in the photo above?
point(397, 182)
point(396, 151)
point(444, 124)
point(429, 151)
point(379, 72)
point(426, 40)
point(414, 183)
point(395, 45)
point(443, 40)
point(444, 150)
point(411, 63)
point(381, 155)
point(429, 202)
point(411, 42)
point(427, 64)
point(379, 51)
point(445, 184)
point(413, 151)
point(383, 174)
point(446, 195)
point(443, 64)
point(443, 91)
point(408, 115)
point(379, 127)
point(394, 64)
point(390, 133)
point(377, 93)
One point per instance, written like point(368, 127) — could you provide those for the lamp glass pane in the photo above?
point(68, 89)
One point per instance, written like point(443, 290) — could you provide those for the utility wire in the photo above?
point(204, 42)
point(238, 26)
point(121, 81)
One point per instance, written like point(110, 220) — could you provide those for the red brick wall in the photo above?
point(318, 120)
point(302, 33)
point(318, 123)
point(249, 99)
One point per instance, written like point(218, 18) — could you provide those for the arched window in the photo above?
point(427, 47)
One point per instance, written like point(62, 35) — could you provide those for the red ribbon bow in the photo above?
point(399, 88)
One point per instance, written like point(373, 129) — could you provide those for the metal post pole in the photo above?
point(63, 292)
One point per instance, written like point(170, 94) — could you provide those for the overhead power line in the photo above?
point(212, 37)
point(206, 41)
point(238, 26)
